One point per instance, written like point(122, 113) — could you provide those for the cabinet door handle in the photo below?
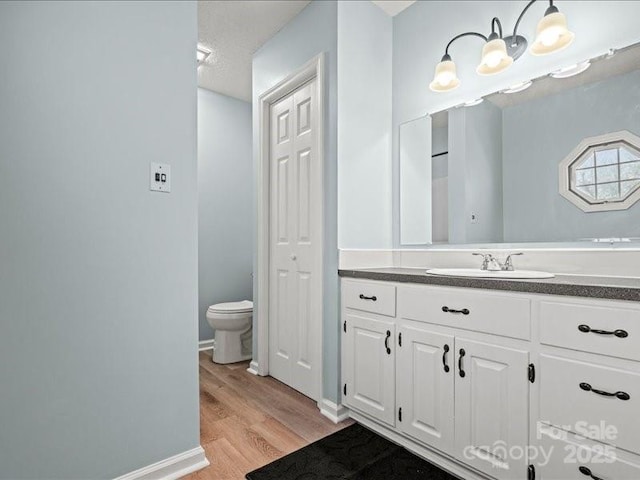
point(386, 342)
point(619, 395)
point(464, 311)
point(363, 297)
point(444, 358)
point(618, 333)
point(460, 369)
point(586, 471)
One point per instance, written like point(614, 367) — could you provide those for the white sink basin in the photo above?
point(476, 272)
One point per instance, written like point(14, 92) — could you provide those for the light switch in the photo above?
point(160, 177)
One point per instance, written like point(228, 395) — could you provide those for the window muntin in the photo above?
point(606, 173)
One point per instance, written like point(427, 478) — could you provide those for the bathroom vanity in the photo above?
point(505, 379)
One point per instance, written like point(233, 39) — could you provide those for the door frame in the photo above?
point(312, 69)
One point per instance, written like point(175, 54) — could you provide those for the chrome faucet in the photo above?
point(490, 263)
point(508, 263)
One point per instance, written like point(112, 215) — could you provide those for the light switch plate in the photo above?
point(160, 177)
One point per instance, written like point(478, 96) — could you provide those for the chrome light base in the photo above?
point(516, 46)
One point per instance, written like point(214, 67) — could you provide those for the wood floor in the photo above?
point(248, 421)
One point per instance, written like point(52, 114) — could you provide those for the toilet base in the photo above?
point(229, 347)
point(227, 361)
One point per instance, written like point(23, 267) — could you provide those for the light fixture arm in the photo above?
point(515, 28)
point(466, 34)
point(496, 21)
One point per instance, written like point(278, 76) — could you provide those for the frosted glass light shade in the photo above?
point(445, 77)
point(552, 34)
point(495, 58)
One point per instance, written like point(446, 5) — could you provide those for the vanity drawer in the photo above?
point(588, 328)
point(371, 297)
point(481, 311)
point(569, 397)
point(571, 457)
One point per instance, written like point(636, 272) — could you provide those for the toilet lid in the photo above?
point(232, 307)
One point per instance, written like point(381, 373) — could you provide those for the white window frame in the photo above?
point(565, 174)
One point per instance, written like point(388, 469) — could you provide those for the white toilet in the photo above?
point(233, 325)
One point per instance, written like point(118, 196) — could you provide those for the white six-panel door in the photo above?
point(425, 365)
point(294, 253)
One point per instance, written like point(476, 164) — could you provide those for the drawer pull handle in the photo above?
point(619, 395)
point(586, 471)
point(460, 369)
point(618, 333)
point(363, 297)
point(386, 342)
point(464, 311)
point(444, 357)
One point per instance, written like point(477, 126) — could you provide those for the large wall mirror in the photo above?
point(556, 160)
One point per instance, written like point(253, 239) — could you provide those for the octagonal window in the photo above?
point(603, 173)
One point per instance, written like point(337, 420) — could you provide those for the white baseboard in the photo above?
point(253, 368)
point(171, 468)
point(335, 413)
point(206, 345)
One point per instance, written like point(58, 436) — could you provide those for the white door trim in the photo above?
point(313, 68)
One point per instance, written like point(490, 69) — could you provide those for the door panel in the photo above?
point(369, 369)
point(491, 407)
point(425, 389)
point(295, 323)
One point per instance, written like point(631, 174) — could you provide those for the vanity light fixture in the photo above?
point(202, 53)
point(445, 78)
point(499, 53)
point(552, 33)
point(518, 87)
point(571, 70)
point(495, 58)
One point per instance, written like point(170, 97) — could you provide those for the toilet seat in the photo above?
point(245, 306)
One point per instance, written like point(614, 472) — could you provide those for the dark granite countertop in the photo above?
point(613, 288)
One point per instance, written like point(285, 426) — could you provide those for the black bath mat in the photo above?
point(353, 453)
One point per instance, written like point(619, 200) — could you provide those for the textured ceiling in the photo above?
point(233, 31)
point(393, 7)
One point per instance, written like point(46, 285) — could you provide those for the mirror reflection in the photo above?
point(552, 160)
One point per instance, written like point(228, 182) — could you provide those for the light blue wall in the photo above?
point(225, 202)
point(420, 36)
point(312, 32)
point(475, 170)
point(98, 284)
point(484, 173)
point(538, 135)
point(364, 125)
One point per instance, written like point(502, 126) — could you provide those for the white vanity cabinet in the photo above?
point(426, 376)
point(491, 407)
point(478, 381)
point(369, 366)
point(368, 349)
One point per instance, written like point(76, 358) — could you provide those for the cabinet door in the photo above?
point(425, 373)
point(369, 365)
point(492, 408)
